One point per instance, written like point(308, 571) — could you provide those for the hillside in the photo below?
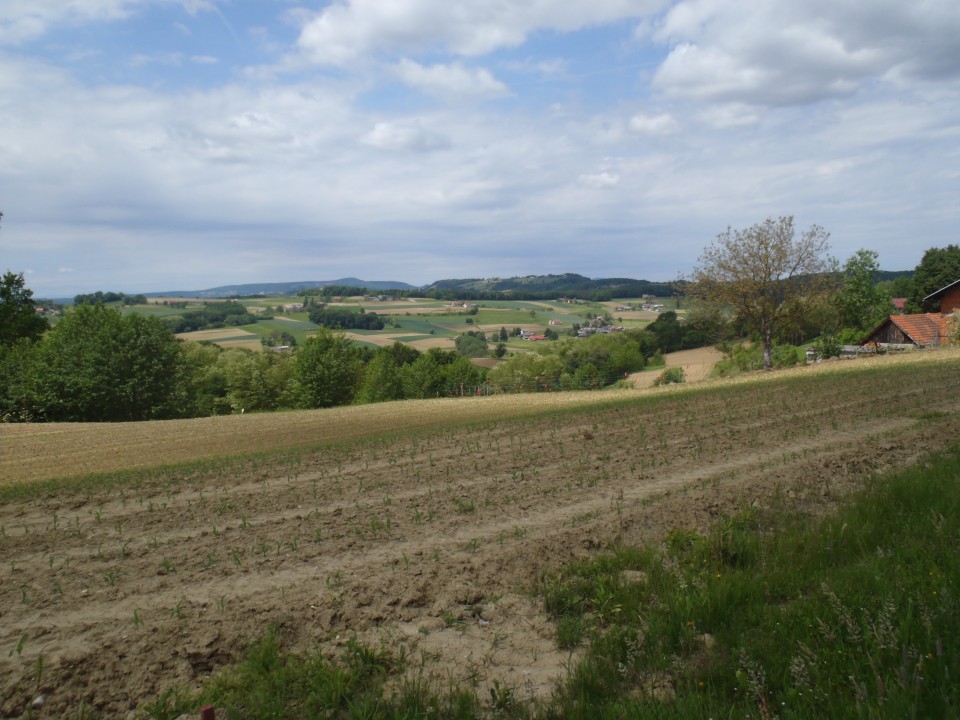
point(284, 288)
point(418, 526)
point(550, 286)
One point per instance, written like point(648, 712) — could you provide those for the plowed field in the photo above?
point(431, 537)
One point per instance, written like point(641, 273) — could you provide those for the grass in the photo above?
point(765, 615)
point(271, 683)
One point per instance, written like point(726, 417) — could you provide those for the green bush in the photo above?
point(671, 375)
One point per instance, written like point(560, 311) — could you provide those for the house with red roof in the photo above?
point(923, 330)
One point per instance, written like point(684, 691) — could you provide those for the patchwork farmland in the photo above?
point(182, 541)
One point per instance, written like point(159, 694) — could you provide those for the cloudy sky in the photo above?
point(151, 145)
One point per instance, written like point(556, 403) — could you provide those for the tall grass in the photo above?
point(765, 616)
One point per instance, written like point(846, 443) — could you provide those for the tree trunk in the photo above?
point(767, 336)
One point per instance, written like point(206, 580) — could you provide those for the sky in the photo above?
point(151, 145)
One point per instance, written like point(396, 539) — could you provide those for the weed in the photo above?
point(464, 505)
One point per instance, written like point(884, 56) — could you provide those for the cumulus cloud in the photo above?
point(452, 79)
point(345, 31)
point(662, 124)
point(774, 53)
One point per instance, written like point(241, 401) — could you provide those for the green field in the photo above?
point(421, 320)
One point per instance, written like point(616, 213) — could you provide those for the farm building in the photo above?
point(926, 330)
point(948, 297)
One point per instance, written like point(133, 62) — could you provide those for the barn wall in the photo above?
point(950, 301)
point(889, 333)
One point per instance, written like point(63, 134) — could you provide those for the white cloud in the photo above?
point(452, 79)
point(287, 171)
point(403, 136)
point(774, 53)
point(23, 21)
point(345, 31)
point(730, 115)
point(662, 124)
point(601, 180)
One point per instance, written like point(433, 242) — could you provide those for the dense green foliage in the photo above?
point(860, 305)
point(18, 311)
point(98, 365)
point(699, 330)
point(329, 370)
point(938, 268)
point(211, 316)
point(345, 319)
point(472, 344)
point(109, 297)
point(576, 363)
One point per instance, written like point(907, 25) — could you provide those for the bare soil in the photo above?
point(431, 540)
point(697, 366)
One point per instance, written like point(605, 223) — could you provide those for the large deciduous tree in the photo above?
point(18, 311)
point(859, 303)
point(329, 369)
point(766, 275)
point(98, 365)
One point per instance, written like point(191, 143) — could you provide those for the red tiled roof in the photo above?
point(899, 303)
point(927, 329)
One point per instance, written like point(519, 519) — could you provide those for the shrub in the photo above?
point(671, 375)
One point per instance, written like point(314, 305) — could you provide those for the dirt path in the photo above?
point(431, 541)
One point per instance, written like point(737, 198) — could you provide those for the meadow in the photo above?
point(420, 322)
point(432, 541)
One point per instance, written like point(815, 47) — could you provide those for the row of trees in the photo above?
point(211, 315)
point(345, 318)
point(100, 365)
point(99, 297)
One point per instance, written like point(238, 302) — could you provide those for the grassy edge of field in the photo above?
point(201, 469)
point(509, 408)
point(767, 615)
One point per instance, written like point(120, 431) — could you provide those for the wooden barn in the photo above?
point(927, 330)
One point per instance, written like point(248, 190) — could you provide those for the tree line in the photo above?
point(212, 316)
point(109, 297)
point(100, 365)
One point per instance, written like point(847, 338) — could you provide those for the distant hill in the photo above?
point(286, 288)
point(549, 286)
